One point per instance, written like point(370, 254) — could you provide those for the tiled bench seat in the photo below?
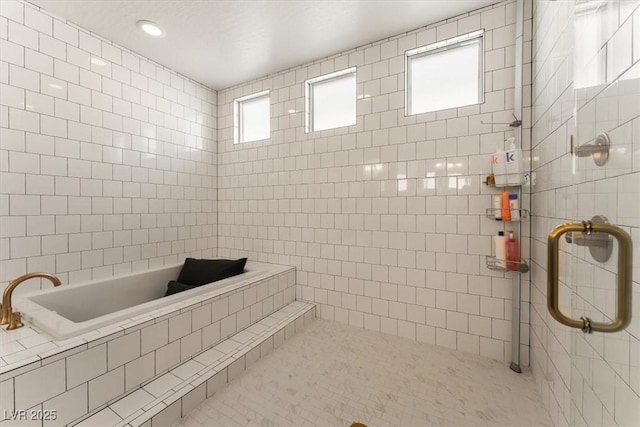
point(163, 401)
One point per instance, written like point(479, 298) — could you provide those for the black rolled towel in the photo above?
point(197, 272)
point(174, 287)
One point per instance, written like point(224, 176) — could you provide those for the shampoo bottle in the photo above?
point(514, 207)
point(513, 157)
point(499, 167)
point(506, 209)
point(512, 253)
point(499, 242)
point(497, 207)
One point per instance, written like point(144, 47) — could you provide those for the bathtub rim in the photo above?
point(34, 314)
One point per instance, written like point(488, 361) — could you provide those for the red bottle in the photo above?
point(513, 252)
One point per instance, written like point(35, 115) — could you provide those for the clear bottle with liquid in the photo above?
point(512, 250)
point(499, 243)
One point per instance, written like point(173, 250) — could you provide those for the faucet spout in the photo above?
point(7, 310)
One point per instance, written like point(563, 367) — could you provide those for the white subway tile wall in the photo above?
point(384, 220)
point(108, 160)
point(586, 81)
point(110, 163)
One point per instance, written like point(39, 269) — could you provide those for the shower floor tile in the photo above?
point(333, 375)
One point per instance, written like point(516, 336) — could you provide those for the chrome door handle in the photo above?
point(624, 288)
point(599, 150)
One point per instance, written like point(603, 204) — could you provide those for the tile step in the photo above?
point(169, 397)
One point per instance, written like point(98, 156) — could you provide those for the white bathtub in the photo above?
point(69, 311)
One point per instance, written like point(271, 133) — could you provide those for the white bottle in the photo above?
point(500, 243)
point(497, 207)
point(513, 157)
point(514, 205)
point(499, 167)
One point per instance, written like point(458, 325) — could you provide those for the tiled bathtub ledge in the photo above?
point(164, 400)
point(84, 377)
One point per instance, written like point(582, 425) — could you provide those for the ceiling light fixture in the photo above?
point(150, 28)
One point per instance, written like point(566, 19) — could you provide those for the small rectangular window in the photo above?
point(331, 101)
point(252, 118)
point(443, 75)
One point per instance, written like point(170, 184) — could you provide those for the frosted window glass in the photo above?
point(334, 102)
point(445, 79)
point(255, 119)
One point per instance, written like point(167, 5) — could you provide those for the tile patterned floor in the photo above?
point(333, 375)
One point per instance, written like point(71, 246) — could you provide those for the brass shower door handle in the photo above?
point(624, 286)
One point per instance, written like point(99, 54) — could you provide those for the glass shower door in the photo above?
point(605, 367)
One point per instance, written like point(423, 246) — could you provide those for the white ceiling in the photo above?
point(223, 43)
